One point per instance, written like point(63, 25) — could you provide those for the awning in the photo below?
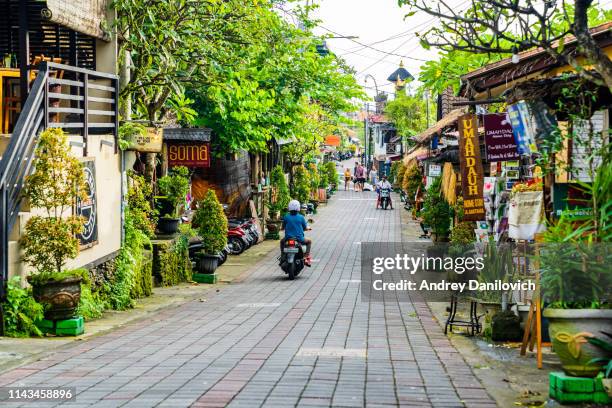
point(85, 16)
point(332, 140)
point(187, 134)
point(446, 121)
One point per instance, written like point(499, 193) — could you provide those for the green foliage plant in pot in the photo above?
point(412, 181)
point(280, 193)
point(436, 211)
point(301, 185)
point(49, 240)
point(497, 266)
point(575, 284)
point(173, 189)
point(212, 227)
point(331, 174)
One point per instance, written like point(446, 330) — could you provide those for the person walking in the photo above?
point(359, 177)
point(347, 178)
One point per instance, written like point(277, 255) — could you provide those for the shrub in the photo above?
point(301, 185)
point(399, 175)
point(436, 211)
point(412, 180)
point(173, 187)
point(139, 201)
point(53, 186)
point(21, 311)
point(281, 196)
point(462, 233)
point(212, 224)
point(314, 179)
point(332, 173)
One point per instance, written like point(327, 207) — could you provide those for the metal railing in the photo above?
point(43, 108)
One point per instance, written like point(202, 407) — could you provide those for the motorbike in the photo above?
point(237, 240)
point(385, 198)
point(292, 258)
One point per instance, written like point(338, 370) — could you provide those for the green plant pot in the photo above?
point(168, 226)
point(60, 298)
point(568, 328)
point(207, 264)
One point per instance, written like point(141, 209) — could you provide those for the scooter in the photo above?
point(292, 257)
point(385, 198)
point(237, 241)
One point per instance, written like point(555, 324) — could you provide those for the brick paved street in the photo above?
point(276, 343)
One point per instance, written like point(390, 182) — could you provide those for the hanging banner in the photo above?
point(499, 138)
point(88, 208)
point(189, 154)
point(522, 128)
point(472, 175)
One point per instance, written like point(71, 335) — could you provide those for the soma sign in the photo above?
point(472, 176)
point(189, 154)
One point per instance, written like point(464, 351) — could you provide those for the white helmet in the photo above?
point(294, 205)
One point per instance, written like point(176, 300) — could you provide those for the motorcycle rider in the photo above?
point(382, 184)
point(294, 225)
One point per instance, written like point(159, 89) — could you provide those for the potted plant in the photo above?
point(301, 185)
point(212, 227)
point(497, 266)
point(279, 199)
point(436, 211)
point(173, 189)
point(574, 291)
point(332, 174)
point(605, 362)
point(49, 240)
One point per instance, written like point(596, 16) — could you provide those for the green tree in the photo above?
point(408, 114)
point(300, 188)
point(508, 26)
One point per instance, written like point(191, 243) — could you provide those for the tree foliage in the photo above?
point(509, 26)
point(408, 114)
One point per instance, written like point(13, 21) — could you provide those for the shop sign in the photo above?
point(149, 142)
point(472, 175)
point(87, 208)
point(499, 138)
point(189, 154)
point(435, 170)
point(522, 128)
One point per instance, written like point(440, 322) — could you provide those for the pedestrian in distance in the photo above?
point(347, 178)
point(359, 177)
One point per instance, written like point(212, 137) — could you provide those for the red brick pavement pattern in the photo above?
point(242, 347)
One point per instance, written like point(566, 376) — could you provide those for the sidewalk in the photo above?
point(15, 352)
point(513, 380)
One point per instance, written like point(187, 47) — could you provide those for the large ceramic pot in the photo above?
point(568, 329)
point(60, 298)
point(274, 225)
point(207, 263)
point(168, 226)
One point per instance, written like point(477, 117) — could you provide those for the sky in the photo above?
point(381, 22)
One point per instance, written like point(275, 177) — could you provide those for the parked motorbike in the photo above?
point(292, 258)
point(237, 240)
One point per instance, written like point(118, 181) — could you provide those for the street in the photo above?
point(276, 343)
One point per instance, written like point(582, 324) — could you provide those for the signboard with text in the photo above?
point(150, 141)
point(499, 138)
point(472, 175)
point(189, 154)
